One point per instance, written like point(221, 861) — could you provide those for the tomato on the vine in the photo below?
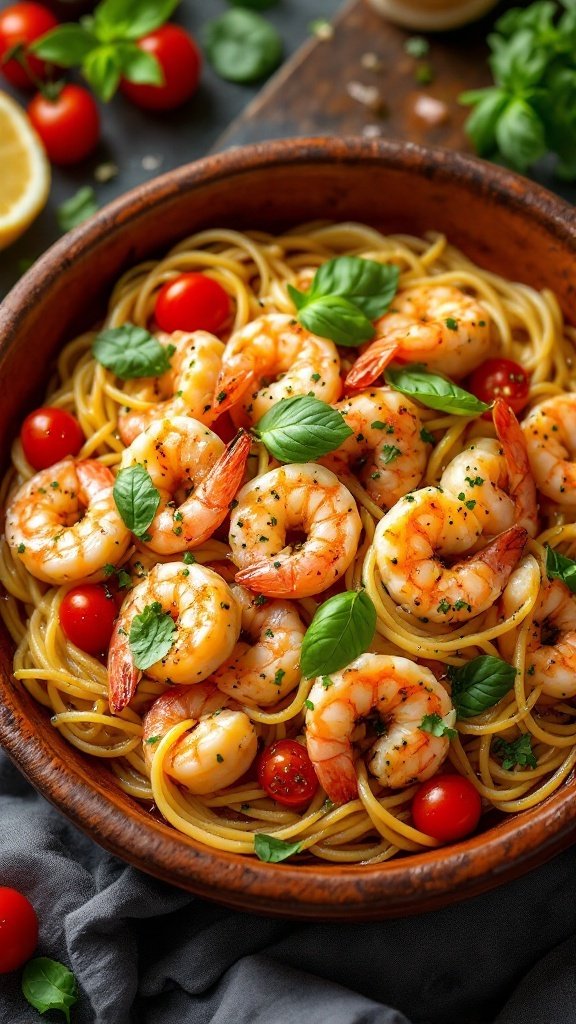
point(18, 929)
point(446, 807)
point(49, 434)
point(181, 62)
point(23, 23)
point(287, 774)
point(87, 615)
point(192, 302)
point(69, 124)
point(501, 378)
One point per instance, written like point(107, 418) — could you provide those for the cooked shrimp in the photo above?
point(207, 626)
point(401, 694)
point(550, 432)
point(436, 325)
point(386, 445)
point(187, 389)
point(415, 536)
point(195, 475)
point(304, 498)
point(63, 524)
point(264, 671)
point(273, 358)
point(219, 748)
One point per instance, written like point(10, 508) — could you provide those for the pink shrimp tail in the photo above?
point(217, 489)
point(337, 777)
point(93, 478)
point(371, 364)
point(522, 484)
point(235, 377)
point(264, 577)
point(123, 676)
point(502, 554)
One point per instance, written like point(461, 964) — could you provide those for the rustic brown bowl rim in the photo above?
point(462, 870)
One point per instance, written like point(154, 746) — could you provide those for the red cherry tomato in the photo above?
point(69, 125)
point(18, 929)
point(48, 435)
point(501, 378)
point(446, 807)
point(87, 615)
point(181, 62)
point(286, 773)
point(192, 302)
point(23, 23)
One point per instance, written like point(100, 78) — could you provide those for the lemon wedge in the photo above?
point(24, 172)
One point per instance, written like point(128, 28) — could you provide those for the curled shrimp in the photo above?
point(195, 475)
point(550, 432)
point(219, 747)
point(306, 499)
point(263, 671)
point(207, 622)
point(273, 358)
point(186, 389)
point(386, 447)
point(401, 693)
point(435, 325)
point(63, 524)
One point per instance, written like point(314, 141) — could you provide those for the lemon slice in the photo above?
point(24, 172)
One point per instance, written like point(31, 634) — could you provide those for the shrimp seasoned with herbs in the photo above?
point(63, 524)
point(196, 476)
point(273, 358)
point(219, 747)
point(297, 499)
point(207, 626)
point(401, 694)
point(550, 432)
point(439, 326)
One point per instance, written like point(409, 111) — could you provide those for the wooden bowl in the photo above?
point(504, 222)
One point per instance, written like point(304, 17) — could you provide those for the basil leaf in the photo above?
point(438, 726)
point(489, 105)
point(151, 635)
point(433, 391)
point(480, 684)
point(333, 317)
point(272, 850)
point(49, 985)
point(520, 135)
point(301, 429)
point(130, 352)
point(342, 629)
point(77, 209)
point(136, 498)
point(519, 752)
point(139, 66)
point(102, 71)
point(131, 19)
point(369, 285)
point(242, 46)
point(68, 45)
point(560, 567)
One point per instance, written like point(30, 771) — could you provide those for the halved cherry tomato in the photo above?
point(446, 807)
point(87, 615)
point(18, 929)
point(49, 434)
point(501, 378)
point(23, 23)
point(68, 125)
point(192, 302)
point(181, 62)
point(287, 774)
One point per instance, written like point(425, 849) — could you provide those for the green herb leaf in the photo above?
point(130, 19)
point(49, 985)
point(301, 429)
point(560, 567)
point(102, 71)
point(369, 285)
point(438, 726)
point(139, 66)
point(130, 352)
point(242, 46)
point(136, 498)
point(333, 317)
point(480, 684)
point(416, 46)
point(520, 135)
point(341, 630)
point(77, 209)
point(272, 850)
point(67, 46)
point(519, 752)
point(434, 391)
point(152, 634)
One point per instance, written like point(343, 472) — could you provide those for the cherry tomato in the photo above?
point(501, 378)
point(69, 125)
point(87, 615)
point(181, 62)
point(49, 434)
point(192, 302)
point(286, 773)
point(18, 929)
point(446, 807)
point(23, 23)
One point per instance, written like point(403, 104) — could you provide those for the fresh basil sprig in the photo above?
point(151, 635)
point(341, 630)
point(480, 684)
point(49, 985)
point(438, 726)
point(272, 850)
point(519, 752)
point(130, 352)
point(434, 391)
point(560, 567)
point(136, 498)
point(77, 209)
point(242, 46)
point(301, 429)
